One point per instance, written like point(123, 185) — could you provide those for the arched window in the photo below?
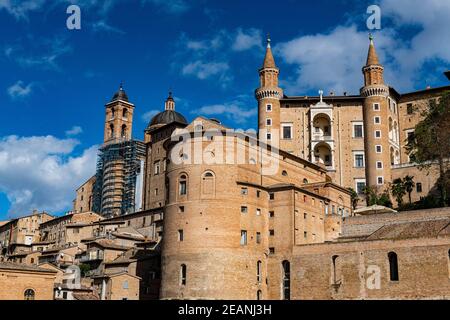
point(123, 133)
point(111, 131)
point(335, 260)
point(284, 173)
point(183, 271)
point(393, 266)
point(286, 280)
point(259, 295)
point(182, 185)
point(259, 271)
point(125, 113)
point(113, 113)
point(305, 181)
point(208, 183)
point(29, 294)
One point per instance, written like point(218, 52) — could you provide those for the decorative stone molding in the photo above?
point(378, 90)
point(269, 93)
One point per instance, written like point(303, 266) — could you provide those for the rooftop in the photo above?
point(23, 267)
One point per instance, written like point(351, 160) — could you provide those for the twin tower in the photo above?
point(273, 108)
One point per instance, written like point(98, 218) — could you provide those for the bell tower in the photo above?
point(268, 96)
point(119, 118)
point(376, 127)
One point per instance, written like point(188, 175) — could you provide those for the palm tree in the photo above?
point(409, 184)
point(398, 190)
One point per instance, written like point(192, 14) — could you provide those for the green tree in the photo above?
point(354, 198)
point(409, 184)
point(374, 197)
point(398, 190)
point(431, 142)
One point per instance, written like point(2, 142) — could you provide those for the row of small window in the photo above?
point(124, 113)
point(359, 161)
point(157, 167)
point(361, 185)
point(286, 131)
point(182, 182)
point(258, 237)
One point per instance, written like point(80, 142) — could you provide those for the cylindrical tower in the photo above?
point(376, 126)
point(268, 96)
point(211, 248)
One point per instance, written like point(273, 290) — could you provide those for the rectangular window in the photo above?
point(272, 214)
point(378, 149)
point(359, 160)
point(305, 235)
point(287, 131)
point(269, 108)
point(258, 193)
point(181, 209)
point(258, 237)
point(376, 107)
point(419, 187)
point(243, 237)
point(271, 233)
point(272, 196)
point(305, 215)
point(268, 122)
point(180, 235)
point(244, 209)
point(360, 186)
point(411, 136)
point(271, 250)
point(409, 108)
point(378, 134)
point(269, 136)
point(377, 120)
point(157, 168)
point(244, 191)
point(183, 189)
point(379, 165)
point(358, 131)
point(258, 212)
point(380, 181)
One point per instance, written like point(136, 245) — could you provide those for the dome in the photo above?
point(167, 117)
point(120, 95)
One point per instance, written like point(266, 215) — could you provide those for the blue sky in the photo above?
point(55, 82)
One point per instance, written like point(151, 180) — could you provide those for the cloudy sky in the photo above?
point(55, 82)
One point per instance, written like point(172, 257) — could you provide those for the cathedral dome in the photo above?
point(166, 117)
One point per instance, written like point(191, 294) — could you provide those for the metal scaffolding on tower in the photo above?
point(118, 166)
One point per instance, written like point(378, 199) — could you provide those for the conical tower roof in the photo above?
point(269, 61)
point(372, 57)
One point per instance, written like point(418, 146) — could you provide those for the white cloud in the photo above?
point(204, 70)
point(332, 61)
point(76, 130)
point(19, 90)
point(103, 26)
point(146, 117)
point(21, 8)
point(238, 110)
point(170, 6)
point(42, 172)
point(43, 53)
point(246, 40)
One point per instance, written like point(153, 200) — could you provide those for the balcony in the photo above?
point(321, 137)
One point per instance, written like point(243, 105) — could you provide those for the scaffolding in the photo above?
point(118, 166)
